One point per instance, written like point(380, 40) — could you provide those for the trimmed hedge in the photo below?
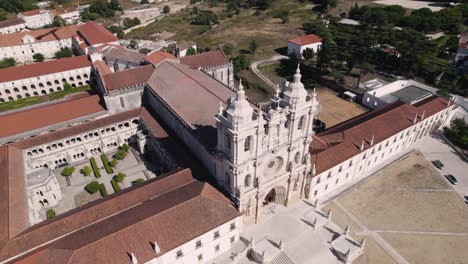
point(138, 181)
point(113, 163)
point(120, 177)
point(95, 186)
point(121, 154)
point(50, 213)
point(103, 190)
point(106, 163)
point(86, 171)
point(115, 185)
point(95, 168)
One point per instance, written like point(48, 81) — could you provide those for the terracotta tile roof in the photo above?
point(206, 60)
point(193, 95)
point(33, 12)
point(11, 22)
point(77, 129)
point(124, 55)
point(341, 142)
point(101, 68)
point(43, 68)
point(306, 40)
point(47, 115)
point(128, 78)
point(94, 33)
point(41, 35)
point(158, 56)
point(171, 219)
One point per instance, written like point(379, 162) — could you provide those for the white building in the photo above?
point(23, 45)
point(70, 15)
point(182, 48)
point(462, 52)
point(37, 18)
point(296, 46)
point(379, 93)
point(12, 25)
point(351, 151)
point(214, 63)
point(43, 78)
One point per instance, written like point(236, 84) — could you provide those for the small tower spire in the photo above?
point(240, 91)
point(297, 76)
point(220, 109)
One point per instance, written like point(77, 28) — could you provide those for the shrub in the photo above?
point(97, 174)
point(86, 171)
point(50, 213)
point(103, 190)
point(125, 147)
point(120, 155)
point(38, 57)
point(93, 187)
point(68, 171)
point(7, 62)
point(120, 177)
point(63, 53)
point(115, 185)
point(166, 9)
point(106, 163)
point(113, 163)
point(138, 181)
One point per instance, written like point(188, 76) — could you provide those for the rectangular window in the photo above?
point(233, 226)
point(233, 239)
point(318, 180)
point(200, 257)
point(122, 103)
point(198, 244)
point(217, 248)
point(329, 175)
point(340, 169)
point(216, 235)
point(350, 163)
point(315, 193)
point(179, 254)
point(337, 180)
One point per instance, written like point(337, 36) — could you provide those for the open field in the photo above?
point(411, 4)
point(410, 211)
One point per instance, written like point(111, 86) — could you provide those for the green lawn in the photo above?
point(11, 105)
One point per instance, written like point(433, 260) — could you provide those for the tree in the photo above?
point(284, 16)
point(138, 181)
point(166, 9)
point(191, 51)
point(253, 46)
point(240, 63)
point(125, 147)
point(67, 87)
point(327, 54)
point(93, 187)
point(114, 5)
point(458, 132)
point(120, 177)
point(38, 57)
point(308, 54)
point(120, 155)
point(7, 62)
point(113, 163)
point(63, 53)
point(68, 171)
point(50, 213)
point(228, 48)
point(58, 22)
point(86, 171)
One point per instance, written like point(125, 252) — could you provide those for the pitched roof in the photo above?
point(43, 68)
point(51, 114)
point(306, 40)
point(11, 22)
point(206, 59)
point(33, 12)
point(125, 55)
point(193, 95)
point(127, 78)
point(94, 33)
point(341, 142)
point(158, 56)
point(41, 35)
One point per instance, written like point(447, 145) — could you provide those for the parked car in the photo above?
point(438, 164)
point(466, 199)
point(451, 179)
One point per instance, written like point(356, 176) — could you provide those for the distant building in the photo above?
point(461, 58)
point(297, 45)
point(182, 48)
point(12, 25)
point(37, 18)
point(349, 22)
point(70, 15)
point(119, 59)
point(379, 93)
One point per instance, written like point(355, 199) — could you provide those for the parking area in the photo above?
point(407, 212)
point(435, 148)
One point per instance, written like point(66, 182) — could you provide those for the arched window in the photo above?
point(248, 143)
point(56, 82)
point(301, 122)
point(248, 180)
point(16, 89)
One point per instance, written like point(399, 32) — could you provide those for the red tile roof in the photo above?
point(41, 35)
point(51, 114)
point(341, 142)
point(127, 78)
point(33, 12)
point(306, 40)
point(205, 60)
point(43, 68)
point(94, 33)
point(11, 22)
point(158, 56)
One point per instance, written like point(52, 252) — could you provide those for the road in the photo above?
point(254, 68)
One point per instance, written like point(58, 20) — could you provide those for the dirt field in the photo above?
point(411, 4)
point(408, 212)
point(334, 110)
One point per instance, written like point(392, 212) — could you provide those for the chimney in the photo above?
point(422, 116)
point(372, 141)
point(156, 247)
point(133, 258)
point(361, 148)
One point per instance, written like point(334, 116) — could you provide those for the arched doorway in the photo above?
point(275, 195)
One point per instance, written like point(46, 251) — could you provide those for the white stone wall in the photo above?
point(12, 29)
point(42, 197)
point(212, 245)
point(362, 164)
point(223, 73)
point(81, 146)
point(71, 17)
point(24, 52)
point(120, 65)
point(37, 21)
point(297, 49)
point(44, 84)
point(124, 100)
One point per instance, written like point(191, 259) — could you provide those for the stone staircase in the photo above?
point(282, 258)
